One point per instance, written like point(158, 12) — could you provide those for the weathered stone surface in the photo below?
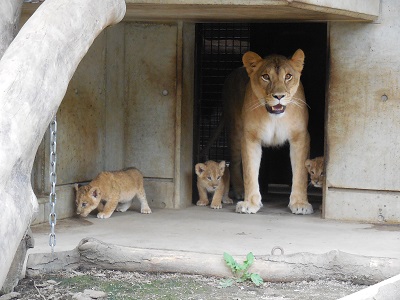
point(34, 75)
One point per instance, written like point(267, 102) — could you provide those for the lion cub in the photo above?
point(213, 178)
point(111, 191)
point(315, 168)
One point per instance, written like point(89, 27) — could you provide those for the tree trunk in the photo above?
point(34, 75)
point(283, 268)
point(10, 11)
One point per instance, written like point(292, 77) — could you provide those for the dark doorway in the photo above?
point(219, 50)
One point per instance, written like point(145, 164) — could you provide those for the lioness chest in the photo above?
point(270, 130)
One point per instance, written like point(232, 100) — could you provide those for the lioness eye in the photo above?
point(219, 177)
point(209, 178)
point(288, 76)
point(265, 77)
point(312, 172)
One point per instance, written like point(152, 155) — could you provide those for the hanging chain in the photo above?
point(53, 181)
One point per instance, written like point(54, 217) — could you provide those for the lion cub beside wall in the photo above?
point(315, 168)
point(111, 191)
point(213, 178)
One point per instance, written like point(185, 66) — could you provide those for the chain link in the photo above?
point(53, 181)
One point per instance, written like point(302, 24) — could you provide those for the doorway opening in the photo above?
point(219, 50)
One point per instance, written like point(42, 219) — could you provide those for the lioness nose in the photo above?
point(278, 96)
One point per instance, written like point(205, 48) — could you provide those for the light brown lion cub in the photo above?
point(213, 178)
point(315, 168)
point(111, 191)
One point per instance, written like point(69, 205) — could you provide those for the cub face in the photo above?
point(87, 199)
point(315, 168)
point(274, 79)
point(210, 174)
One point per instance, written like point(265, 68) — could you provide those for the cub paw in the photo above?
point(227, 200)
point(300, 206)
point(145, 210)
point(246, 207)
point(216, 206)
point(202, 202)
point(102, 215)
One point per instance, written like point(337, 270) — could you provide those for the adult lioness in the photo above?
point(267, 107)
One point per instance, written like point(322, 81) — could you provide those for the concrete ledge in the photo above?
point(242, 10)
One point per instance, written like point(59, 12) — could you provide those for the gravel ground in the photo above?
point(105, 284)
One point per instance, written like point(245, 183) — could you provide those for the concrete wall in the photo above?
point(363, 120)
point(123, 108)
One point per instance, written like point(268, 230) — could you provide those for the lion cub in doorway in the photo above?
point(315, 168)
point(111, 191)
point(213, 178)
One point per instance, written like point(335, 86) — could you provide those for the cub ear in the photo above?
point(76, 186)
point(308, 164)
point(94, 192)
point(297, 60)
point(250, 60)
point(200, 168)
point(222, 165)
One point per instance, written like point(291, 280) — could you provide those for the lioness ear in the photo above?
point(298, 60)
point(200, 168)
point(250, 60)
point(222, 165)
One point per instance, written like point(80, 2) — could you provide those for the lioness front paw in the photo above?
point(247, 208)
point(202, 202)
point(300, 206)
point(145, 210)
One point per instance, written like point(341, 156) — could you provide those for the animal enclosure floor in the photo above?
point(205, 230)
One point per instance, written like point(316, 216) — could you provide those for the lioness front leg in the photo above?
point(299, 149)
point(251, 156)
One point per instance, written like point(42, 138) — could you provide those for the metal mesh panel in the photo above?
point(220, 48)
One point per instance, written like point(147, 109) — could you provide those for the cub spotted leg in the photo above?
point(203, 197)
point(144, 206)
point(251, 155)
point(216, 202)
point(107, 209)
point(299, 149)
point(122, 207)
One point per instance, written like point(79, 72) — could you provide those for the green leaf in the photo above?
point(226, 282)
point(257, 280)
point(231, 262)
point(249, 260)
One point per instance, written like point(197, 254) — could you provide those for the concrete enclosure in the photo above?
point(131, 103)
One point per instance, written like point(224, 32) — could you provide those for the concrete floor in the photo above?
point(202, 229)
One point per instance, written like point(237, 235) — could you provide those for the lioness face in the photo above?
point(275, 79)
point(210, 173)
point(87, 199)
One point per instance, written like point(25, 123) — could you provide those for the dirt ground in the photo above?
point(141, 286)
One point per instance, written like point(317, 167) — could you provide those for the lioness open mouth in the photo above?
point(276, 109)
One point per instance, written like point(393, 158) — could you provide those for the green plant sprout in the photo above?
point(239, 271)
